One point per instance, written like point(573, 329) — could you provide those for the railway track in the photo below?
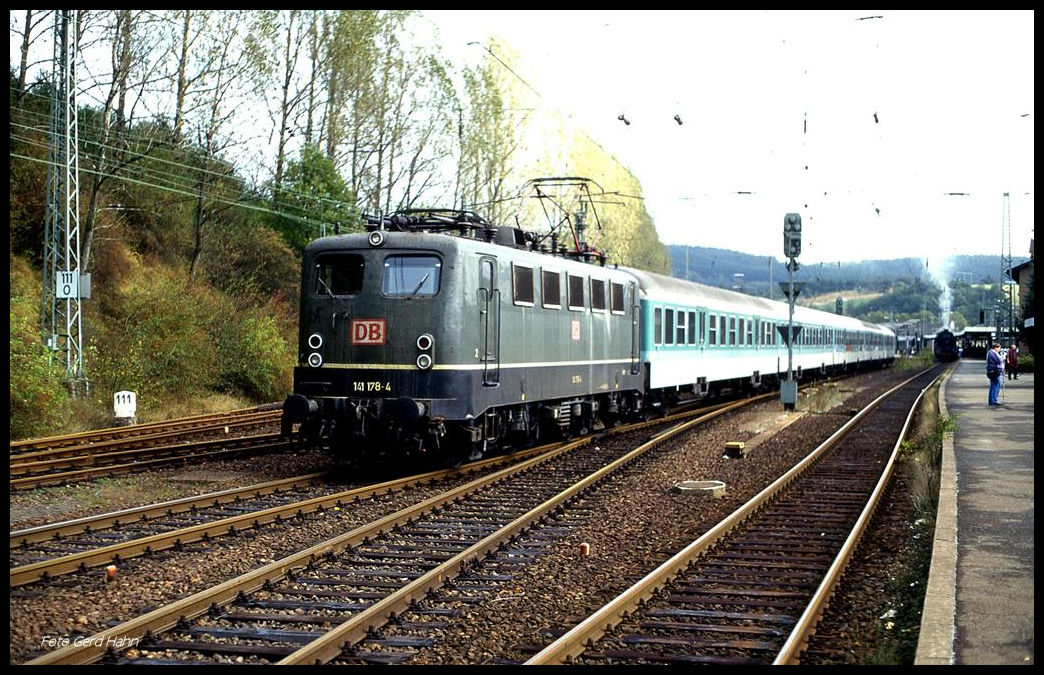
point(87, 467)
point(195, 422)
point(751, 590)
point(338, 592)
point(51, 550)
point(83, 456)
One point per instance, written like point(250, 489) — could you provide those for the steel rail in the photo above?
point(102, 458)
point(355, 629)
point(575, 641)
point(260, 443)
point(162, 619)
point(797, 641)
point(104, 521)
point(188, 608)
point(132, 430)
point(138, 440)
point(25, 574)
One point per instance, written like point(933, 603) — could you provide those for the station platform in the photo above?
point(979, 602)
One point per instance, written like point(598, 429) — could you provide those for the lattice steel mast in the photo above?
point(61, 323)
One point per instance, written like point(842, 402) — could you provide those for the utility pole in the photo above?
point(792, 249)
point(63, 285)
point(1006, 280)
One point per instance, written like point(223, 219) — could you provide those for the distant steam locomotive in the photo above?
point(946, 348)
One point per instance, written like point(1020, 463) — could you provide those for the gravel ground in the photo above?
point(85, 603)
point(30, 508)
point(636, 523)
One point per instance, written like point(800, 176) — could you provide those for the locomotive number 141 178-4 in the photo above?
point(371, 386)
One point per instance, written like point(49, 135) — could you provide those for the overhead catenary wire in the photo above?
point(185, 182)
point(231, 202)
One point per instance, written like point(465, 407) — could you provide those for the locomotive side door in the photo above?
point(489, 321)
point(635, 330)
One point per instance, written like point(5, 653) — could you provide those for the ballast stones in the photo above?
point(701, 488)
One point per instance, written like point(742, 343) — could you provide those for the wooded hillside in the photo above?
point(213, 145)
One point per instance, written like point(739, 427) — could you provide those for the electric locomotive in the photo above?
point(414, 343)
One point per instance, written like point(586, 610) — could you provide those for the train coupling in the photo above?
point(296, 409)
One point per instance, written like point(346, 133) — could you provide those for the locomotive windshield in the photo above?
point(338, 274)
point(411, 275)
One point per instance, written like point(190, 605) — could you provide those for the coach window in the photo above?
point(522, 280)
point(712, 332)
point(338, 274)
point(658, 326)
point(411, 275)
point(741, 331)
point(616, 298)
point(732, 330)
point(750, 332)
point(552, 287)
point(597, 295)
point(692, 328)
point(668, 327)
point(681, 327)
point(576, 293)
point(703, 326)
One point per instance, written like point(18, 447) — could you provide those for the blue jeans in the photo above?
point(995, 387)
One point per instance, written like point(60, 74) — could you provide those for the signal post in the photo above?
point(791, 249)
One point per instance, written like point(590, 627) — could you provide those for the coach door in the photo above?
point(489, 321)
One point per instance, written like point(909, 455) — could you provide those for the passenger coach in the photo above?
point(699, 340)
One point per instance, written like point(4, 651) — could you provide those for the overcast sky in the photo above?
point(861, 125)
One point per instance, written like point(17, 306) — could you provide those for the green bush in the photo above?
point(39, 396)
point(157, 339)
point(257, 360)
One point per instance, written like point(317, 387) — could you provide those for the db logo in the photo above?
point(368, 332)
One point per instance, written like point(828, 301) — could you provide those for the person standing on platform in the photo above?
point(1011, 362)
point(994, 371)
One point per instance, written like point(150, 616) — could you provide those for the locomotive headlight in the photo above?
point(315, 340)
point(376, 238)
point(425, 341)
point(424, 361)
point(315, 360)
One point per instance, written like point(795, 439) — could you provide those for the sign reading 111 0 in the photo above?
point(67, 285)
